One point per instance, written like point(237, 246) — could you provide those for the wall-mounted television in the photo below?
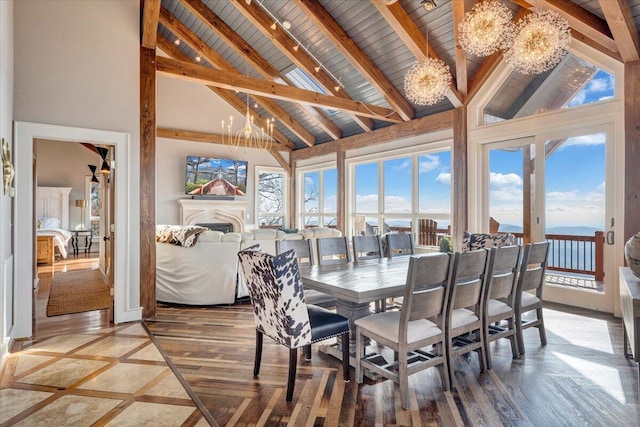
point(208, 176)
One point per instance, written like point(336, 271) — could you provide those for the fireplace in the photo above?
point(225, 227)
point(207, 211)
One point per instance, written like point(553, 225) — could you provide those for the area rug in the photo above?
point(77, 291)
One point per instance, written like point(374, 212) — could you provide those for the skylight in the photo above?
point(302, 80)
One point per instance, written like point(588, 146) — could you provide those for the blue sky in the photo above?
point(574, 178)
point(575, 173)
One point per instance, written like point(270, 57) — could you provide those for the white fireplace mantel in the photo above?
point(195, 211)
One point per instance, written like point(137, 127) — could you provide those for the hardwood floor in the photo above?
point(580, 378)
point(44, 326)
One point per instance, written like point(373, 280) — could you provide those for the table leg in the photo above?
point(74, 244)
point(90, 242)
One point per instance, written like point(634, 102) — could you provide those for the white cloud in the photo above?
point(563, 195)
point(397, 204)
point(309, 181)
point(406, 165)
point(591, 139)
point(367, 202)
point(504, 180)
point(601, 84)
point(428, 163)
point(444, 178)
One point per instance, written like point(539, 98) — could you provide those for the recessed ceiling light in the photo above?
point(286, 25)
point(198, 58)
point(428, 5)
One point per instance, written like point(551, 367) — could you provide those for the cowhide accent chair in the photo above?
point(280, 311)
point(476, 241)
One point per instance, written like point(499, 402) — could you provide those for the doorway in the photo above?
point(126, 282)
point(73, 290)
point(559, 187)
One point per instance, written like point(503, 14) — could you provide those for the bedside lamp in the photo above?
point(81, 203)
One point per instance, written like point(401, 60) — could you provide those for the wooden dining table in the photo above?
point(356, 285)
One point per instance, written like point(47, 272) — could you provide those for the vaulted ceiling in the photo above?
point(354, 54)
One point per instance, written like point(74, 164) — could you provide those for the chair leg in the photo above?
point(307, 351)
point(444, 367)
point(359, 355)
point(450, 357)
point(291, 382)
point(520, 338)
point(485, 340)
point(541, 330)
point(403, 379)
point(513, 339)
point(346, 365)
point(258, 356)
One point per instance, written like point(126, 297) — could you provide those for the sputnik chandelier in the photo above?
point(486, 28)
point(539, 42)
point(427, 81)
point(248, 137)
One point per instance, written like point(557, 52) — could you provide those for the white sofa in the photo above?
point(316, 233)
point(204, 274)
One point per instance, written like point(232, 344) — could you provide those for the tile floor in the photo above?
point(112, 376)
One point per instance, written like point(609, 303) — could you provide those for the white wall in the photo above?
point(6, 116)
point(190, 106)
point(64, 164)
point(77, 64)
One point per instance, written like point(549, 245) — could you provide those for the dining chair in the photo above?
point(500, 297)
point(529, 290)
point(418, 324)
point(399, 244)
point(304, 254)
point(367, 247)
point(280, 313)
point(333, 250)
point(464, 321)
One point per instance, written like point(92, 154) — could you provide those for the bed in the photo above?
point(52, 223)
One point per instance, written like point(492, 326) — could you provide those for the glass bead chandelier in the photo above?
point(539, 42)
point(248, 137)
point(427, 81)
point(486, 28)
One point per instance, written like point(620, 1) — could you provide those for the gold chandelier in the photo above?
point(486, 28)
point(248, 137)
point(427, 81)
point(539, 42)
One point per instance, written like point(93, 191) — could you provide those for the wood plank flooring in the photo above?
point(580, 378)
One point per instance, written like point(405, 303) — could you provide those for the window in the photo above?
point(270, 197)
point(94, 195)
point(320, 197)
point(571, 83)
point(410, 193)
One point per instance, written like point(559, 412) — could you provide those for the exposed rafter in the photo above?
point(421, 126)
point(150, 12)
point(350, 50)
point(623, 27)
point(257, 61)
point(226, 80)
point(287, 46)
point(412, 37)
point(281, 161)
point(581, 20)
point(459, 8)
point(178, 28)
point(227, 95)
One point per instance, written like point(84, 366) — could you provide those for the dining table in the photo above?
point(355, 285)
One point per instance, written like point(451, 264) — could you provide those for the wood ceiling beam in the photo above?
point(334, 32)
point(412, 37)
point(623, 28)
point(257, 61)
point(579, 19)
point(421, 126)
point(150, 13)
point(281, 161)
point(459, 8)
point(233, 81)
point(185, 34)
point(227, 95)
point(259, 18)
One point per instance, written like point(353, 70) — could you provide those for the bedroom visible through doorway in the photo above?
point(73, 251)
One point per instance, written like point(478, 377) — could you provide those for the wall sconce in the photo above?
point(103, 154)
point(94, 178)
point(81, 203)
